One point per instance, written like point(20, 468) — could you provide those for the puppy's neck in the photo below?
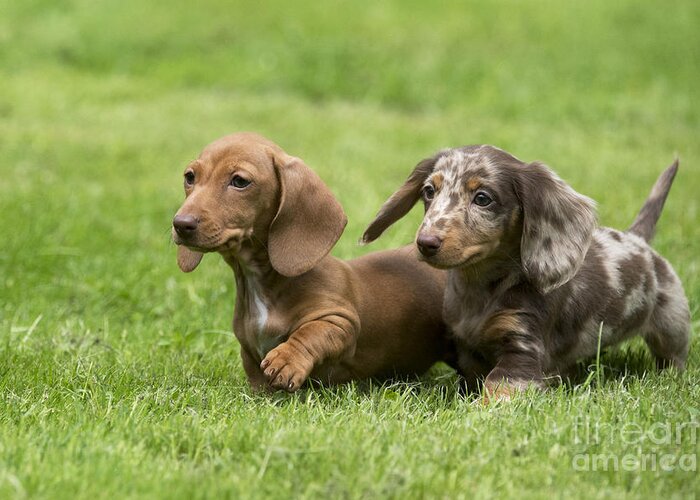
point(498, 271)
point(495, 272)
point(251, 267)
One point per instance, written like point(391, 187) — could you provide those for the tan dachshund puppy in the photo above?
point(301, 313)
point(533, 279)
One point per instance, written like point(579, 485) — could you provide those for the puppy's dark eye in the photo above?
point(239, 182)
point(428, 193)
point(189, 178)
point(482, 199)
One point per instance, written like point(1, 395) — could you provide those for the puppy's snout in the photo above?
point(428, 244)
point(185, 225)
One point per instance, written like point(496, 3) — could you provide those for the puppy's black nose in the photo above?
point(185, 225)
point(428, 244)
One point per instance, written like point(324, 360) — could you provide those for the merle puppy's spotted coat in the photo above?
point(532, 278)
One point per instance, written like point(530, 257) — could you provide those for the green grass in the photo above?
point(119, 376)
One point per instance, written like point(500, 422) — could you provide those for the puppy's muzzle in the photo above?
point(428, 244)
point(185, 226)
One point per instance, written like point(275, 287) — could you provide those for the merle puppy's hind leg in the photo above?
point(668, 334)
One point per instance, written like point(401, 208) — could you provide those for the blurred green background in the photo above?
point(118, 374)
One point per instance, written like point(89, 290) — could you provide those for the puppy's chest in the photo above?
point(466, 313)
point(257, 322)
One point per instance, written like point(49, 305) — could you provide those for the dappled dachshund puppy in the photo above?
point(532, 279)
point(300, 313)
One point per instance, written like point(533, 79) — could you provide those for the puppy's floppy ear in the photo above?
point(187, 259)
point(558, 225)
point(309, 219)
point(401, 202)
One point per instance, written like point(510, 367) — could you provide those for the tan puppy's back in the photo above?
point(400, 300)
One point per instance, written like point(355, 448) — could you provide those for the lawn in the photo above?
point(119, 375)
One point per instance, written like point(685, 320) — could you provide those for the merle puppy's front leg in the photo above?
point(517, 353)
point(473, 369)
point(289, 364)
point(513, 373)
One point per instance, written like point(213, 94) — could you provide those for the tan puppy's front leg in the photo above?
point(289, 364)
point(256, 378)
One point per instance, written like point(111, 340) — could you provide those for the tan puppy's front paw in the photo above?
point(285, 368)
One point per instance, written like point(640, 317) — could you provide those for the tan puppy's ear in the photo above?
point(309, 219)
point(187, 259)
point(402, 201)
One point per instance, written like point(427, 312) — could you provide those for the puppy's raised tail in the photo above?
point(645, 223)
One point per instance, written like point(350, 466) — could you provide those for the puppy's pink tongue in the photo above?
point(188, 259)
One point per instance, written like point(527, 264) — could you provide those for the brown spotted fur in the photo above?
point(532, 278)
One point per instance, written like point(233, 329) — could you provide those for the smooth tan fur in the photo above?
point(301, 313)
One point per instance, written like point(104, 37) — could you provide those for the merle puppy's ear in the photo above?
point(401, 202)
point(558, 225)
point(309, 219)
point(187, 259)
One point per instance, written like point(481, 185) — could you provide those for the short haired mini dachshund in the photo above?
point(301, 313)
point(533, 282)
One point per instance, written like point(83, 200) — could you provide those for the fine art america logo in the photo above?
point(656, 448)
